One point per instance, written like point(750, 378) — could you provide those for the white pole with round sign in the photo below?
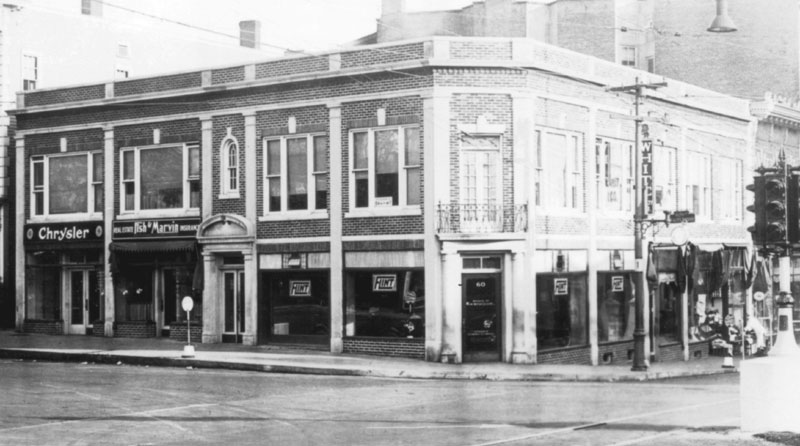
point(187, 303)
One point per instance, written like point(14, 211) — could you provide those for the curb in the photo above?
point(100, 357)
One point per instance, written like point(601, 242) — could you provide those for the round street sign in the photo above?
point(678, 236)
point(187, 303)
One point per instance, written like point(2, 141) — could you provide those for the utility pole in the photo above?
point(640, 360)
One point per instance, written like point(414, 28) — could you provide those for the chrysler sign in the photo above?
point(64, 232)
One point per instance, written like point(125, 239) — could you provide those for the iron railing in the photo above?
point(458, 218)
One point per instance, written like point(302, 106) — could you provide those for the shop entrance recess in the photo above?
point(83, 299)
point(481, 322)
point(233, 292)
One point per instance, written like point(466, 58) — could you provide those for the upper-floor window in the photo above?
point(30, 72)
point(385, 167)
point(628, 56)
point(559, 166)
point(727, 188)
point(157, 178)
point(229, 159)
point(296, 173)
point(614, 174)
point(665, 178)
point(698, 184)
point(66, 184)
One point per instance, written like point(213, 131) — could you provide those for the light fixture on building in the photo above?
point(722, 22)
point(561, 262)
point(616, 260)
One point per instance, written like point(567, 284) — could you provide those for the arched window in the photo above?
point(229, 157)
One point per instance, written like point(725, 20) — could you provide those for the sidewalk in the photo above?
point(288, 359)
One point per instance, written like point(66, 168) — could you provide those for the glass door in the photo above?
point(233, 291)
point(481, 183)
point(83, 300)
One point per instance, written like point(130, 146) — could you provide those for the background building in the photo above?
point(50, 43)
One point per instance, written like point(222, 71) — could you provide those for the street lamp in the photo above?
point(722, 22)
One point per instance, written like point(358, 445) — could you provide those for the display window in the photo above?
point(561, 310)
point(299, 303)
point(615, 306)
point(385, 303)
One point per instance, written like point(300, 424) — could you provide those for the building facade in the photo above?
point(86, 41)
point(448, 199)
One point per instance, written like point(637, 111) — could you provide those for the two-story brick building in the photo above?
point(453, 199)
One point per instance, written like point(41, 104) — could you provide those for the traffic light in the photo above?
point(793, 208)
point(758, 230)
point(775, 213)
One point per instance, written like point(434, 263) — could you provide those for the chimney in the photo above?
point(250, 34)
point(393, 7)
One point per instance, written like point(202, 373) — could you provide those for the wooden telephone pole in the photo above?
point(640, 359)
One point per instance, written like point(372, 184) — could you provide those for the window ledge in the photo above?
point(384, 212)
point(163, 213)
point(69, 218)
point(229, 195)
point(295, 215)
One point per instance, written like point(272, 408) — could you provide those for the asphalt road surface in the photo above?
point(86, 404)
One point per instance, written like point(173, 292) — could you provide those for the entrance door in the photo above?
point(233, 290)
point(481, 322)
point(83, 298)
point(481, 183)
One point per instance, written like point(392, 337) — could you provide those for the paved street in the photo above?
point(83, 404)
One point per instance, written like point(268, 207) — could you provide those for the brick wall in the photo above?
point(405, 348)
point(158, 84)
point(43, 327)
point(135, 329)
point(98, 329)
point(75, 94)
point(614, 353)
point(285, 67)
point(356, 115)
point(481, 50)
point(575, 355)
point(226, 75)
point(383, 55)
point(177, 332)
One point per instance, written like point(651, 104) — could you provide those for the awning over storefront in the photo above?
point(153, 247)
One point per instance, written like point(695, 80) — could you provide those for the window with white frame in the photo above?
point(91, 7)
point(727, 188)
point(560, 172)
point(698, 184)
point(160, 178)
point(66, 184)
point(30, 72)
point(628, 56)
point(229, 157)
point(665, 178)
point(385, 167)
point(296, 173)
point(614, 174)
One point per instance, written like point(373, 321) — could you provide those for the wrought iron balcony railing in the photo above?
point(456, 218)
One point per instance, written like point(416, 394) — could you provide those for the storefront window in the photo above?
point(388, 303)
point(134, 293)
point(43, 286)
point(667, 314)
point(300, 303)
point(615, 306)
point(561, 313)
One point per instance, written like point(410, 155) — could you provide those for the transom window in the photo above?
point(66, 184)
point(385, 167)
point(296, 173)
point(165, 177)
point(698, 184)
point(229, 156)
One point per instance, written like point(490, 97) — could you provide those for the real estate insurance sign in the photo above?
point(150, 229)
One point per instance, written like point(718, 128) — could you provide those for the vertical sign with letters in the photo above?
point(647, 174)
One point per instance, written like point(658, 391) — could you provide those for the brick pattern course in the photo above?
point(60, 96)
point(227, 75)
point(403, 348)
point(383, 55)
point(578, 355)
point(288, 67)
point(135, 329)
point(43, 327)
point(158, 84)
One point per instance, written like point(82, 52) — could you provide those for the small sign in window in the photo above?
point(384, 282)
point(300, 288)
point(561, 287)
point(617, 283)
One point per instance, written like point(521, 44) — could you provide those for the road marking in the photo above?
point(616, 420)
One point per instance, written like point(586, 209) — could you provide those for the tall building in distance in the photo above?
point(666, 37)
point(51, 43)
